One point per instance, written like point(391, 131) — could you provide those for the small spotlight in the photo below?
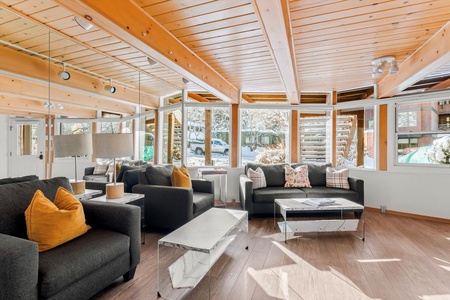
point(110, 88)
point(49, 104)
point(394, 67)
point(83, 22)
point(64, 74)
point(151, 62)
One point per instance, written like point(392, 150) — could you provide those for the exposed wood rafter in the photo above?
point(131, 24)
point(197, 97)
point(432, 55)
point(275, 23)
point(442, 85)
point(247, 98)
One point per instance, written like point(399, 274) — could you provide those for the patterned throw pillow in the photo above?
point(258, 178)
point(100, 169)
point(297, 177)
point(338, 178)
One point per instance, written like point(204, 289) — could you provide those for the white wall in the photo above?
point(4, 129)
point(410, 191)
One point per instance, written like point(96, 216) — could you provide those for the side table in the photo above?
point(222, 173)
point(132, 199)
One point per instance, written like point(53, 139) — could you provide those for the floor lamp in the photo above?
point(113, 145)
point(73, 145)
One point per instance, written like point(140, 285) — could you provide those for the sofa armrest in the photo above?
point(121, 218)
point(19, 261)
point(166, 206)
point(357, 185)
point(89, 170)
point(203, 186)
point(246, 193)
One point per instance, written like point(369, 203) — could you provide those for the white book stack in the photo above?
point(319, 201)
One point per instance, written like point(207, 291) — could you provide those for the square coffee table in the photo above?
point(295, 207)
point(187, 254)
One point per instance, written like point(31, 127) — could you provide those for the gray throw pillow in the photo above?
point(159, 175)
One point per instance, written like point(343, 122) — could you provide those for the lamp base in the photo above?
point(78, 187)
point(114, 190)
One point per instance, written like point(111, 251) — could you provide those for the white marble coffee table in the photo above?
point(295, 207)
point(187, 254)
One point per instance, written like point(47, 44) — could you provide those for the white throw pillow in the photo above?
point(258, 178)
point(338, 178)
point(100, 169)
point(297, 177)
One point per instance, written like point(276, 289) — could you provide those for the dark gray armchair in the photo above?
point(171, 207)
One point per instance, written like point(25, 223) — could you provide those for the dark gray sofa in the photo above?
point(77, 269)
point(261, 201)
point(128, 175)
point(171, 207)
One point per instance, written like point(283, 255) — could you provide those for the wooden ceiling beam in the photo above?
point(197, 97)
point(37, 107)
point(131, 24)
point(442, 85)
point(247, 98)
point(429, 57)
point(23, 65)
point(275, 24)
point(21, 88)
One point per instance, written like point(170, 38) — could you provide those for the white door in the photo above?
point(26, 148)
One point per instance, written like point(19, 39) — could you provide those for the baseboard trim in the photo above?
point(409, 215)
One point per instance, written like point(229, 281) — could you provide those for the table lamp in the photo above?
point(113, 145)
point(73, 145)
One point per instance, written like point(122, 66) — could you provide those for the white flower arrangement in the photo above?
point(440, 150)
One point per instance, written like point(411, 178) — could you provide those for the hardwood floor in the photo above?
point(401, 258)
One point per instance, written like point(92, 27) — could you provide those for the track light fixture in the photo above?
point(110, 88)
point(84, 22)
point(64, 74)
point(379, 65)
point(151, 62)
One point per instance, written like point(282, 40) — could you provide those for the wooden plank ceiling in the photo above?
point(251, 46)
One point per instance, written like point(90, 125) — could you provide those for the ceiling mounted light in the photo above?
point(110, 88)
point(151, 62)
point(49, 104)
point(64, 74)
point(379, 65)
point(84, 22)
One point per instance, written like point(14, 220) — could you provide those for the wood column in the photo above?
point(234, 135)
point(382, 137)
point(208, 153)
point(294, 137)
point(333, 129)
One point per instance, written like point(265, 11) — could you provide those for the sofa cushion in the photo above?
point(274, 173)
point(338, 178)
point(18, 179)
point(202, 201)
point(80, 257)
point(297, 177)
point(326, 192)
point(51, 224)
point(316, 173)
point(269, 194)
point(159, 175)
point(258, 178)
point(123, 169)
point(15, 198)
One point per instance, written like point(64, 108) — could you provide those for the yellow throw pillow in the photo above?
point(180, 177)
point(51, 224)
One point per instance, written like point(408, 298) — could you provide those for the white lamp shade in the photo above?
point(72, 145)
point(112, 145)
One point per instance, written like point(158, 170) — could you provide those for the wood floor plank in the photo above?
point(401, 258)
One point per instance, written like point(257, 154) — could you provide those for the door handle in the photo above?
point(41, 156)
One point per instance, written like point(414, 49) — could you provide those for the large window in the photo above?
point(75, 128)
point(421, 132)
point(355, 138)
point(172, 137)
point(211, 124)
point(265, 136)
point(315, 137)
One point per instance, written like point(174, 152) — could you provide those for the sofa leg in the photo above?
point(129, 275)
